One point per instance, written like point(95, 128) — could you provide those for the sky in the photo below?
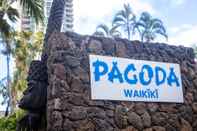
point(178, 16)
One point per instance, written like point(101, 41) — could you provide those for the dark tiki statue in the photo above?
point(34, 99)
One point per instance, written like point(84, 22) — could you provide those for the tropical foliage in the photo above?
point(195, 50)
point(6, 34)
point(148, 27)
point(126, 19)
point(103, 30)
point(10, 123)
point(33, 8)
point(8, 16)
point(12, 14)
point(27, 47)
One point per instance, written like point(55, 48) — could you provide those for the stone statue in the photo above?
point(34, 99)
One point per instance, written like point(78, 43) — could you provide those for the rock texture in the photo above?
point(69, 107)
point(34, 99)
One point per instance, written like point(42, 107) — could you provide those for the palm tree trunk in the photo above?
point(129, 34)
point(9, 105)
point(55, 18)
point(142, 38)
point(1, 14)
point(7, 109)
point(54, 22)
point(128, 30)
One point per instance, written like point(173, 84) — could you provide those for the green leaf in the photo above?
point(34, 8)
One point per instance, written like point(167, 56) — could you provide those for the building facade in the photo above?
point(67, 24)
point(27, 23)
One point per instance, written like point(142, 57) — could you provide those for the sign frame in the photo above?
point(104, 89)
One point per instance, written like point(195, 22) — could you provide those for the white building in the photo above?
point(27, 23)
point(67, 24)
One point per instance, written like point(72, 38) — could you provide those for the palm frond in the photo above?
point(162, 33)
point(118, 21)
point(139, 24)
point(158, 26)
point(114, 32)
point(12, 14)
point(121, 13)
point(128, 10)
point(139, 27)
point(98, 34)
point(5, 29)
point(114, 27)
point(149, 27)
point(133, 18)
point(2, 80)
point(34, 8)
point(145, 16)
point(155, 20)
point(125, 18)
point(103, 28)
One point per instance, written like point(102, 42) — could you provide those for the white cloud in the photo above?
point(89, 13)
point(184, 35)
point(180, 28)
point(177, 2)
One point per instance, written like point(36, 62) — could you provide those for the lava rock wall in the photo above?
point(70, 108)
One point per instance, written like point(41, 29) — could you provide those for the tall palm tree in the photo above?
point(7, 10)
point(6, 34)
point(103, 30)
point(126, 19)
point(7, 53)
point(149, 27)
point(34, 8)
point(194, 46)
point(24, 52)
point(54, 22)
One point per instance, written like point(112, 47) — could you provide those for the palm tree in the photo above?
point(126, 19)
point(34, 8)
point(54, 22)
point(103, 30)
point(5, 34)
point(12, 14)
point(24, 52)
point(7, 53)
point(194, 46)
point(149, 27)
point(4, 93)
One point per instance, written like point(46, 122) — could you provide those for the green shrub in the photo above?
point(9, 123)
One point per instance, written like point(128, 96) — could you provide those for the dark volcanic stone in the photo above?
point(77, 113)
point(135, 120)
point(72, 61)
point(146, 119)
point(70, 107)
point(120, 117)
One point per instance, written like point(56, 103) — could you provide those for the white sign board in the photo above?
point(114, 78)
